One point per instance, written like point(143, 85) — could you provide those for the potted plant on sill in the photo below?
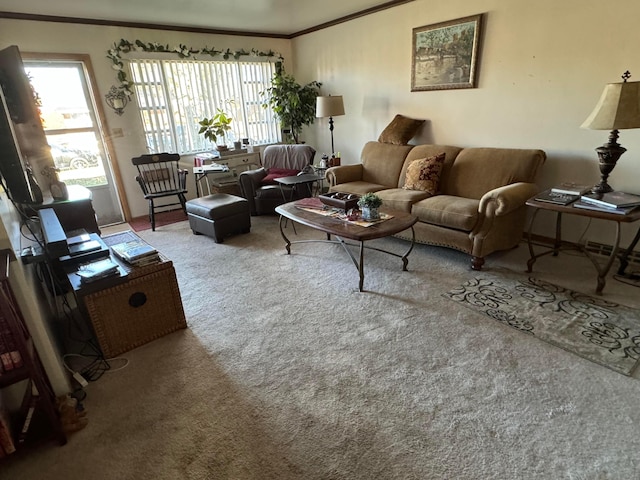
point(293, 104)
point(369, 204)
point(216, 127)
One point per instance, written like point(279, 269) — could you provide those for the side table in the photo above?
point(558, 245)
point(320, 171)
point(296, 181)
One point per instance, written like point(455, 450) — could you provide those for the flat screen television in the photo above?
point(23, 143)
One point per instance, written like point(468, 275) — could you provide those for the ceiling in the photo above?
point(284, 18)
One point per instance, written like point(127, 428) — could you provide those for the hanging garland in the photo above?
point(125, 46)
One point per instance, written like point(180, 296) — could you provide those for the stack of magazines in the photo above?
point(97, 270)
point(136, 252)
point(563, 194)
point(610, 202)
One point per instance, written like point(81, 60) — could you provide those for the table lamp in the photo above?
point(329, 106)
point(618, 108)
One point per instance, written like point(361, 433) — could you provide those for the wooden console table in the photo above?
point(558, 245)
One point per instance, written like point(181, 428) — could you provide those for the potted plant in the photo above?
point(215, 127)
point(293, 104)
point(369, 203)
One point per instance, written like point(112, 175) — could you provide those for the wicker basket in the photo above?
point(142, 309)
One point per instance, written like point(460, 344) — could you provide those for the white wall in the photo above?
point(542, 68)
point(45, 37)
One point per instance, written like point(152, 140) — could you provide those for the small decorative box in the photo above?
point(345, 201)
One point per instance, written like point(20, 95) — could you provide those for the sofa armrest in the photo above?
point(343, 174)
point(503, 200)
point(249, 181)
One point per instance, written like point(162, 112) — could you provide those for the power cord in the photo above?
point(632, 278)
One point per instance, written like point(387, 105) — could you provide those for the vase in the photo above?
point(370, 213)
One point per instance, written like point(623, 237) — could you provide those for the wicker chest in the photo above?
point(134, 309)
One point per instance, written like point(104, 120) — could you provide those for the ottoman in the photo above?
point(219, 215)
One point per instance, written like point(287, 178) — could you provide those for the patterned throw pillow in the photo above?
point(424, 174)
point(400, 130)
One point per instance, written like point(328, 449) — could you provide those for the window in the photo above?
point(174, 95)
point(69, 120)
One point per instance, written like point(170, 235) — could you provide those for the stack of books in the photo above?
point(549, 196)
point(136, 253)
point(563, 194)
point(571, 188)
point(612, 202)
point(93, 271)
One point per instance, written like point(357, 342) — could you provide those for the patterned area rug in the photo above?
point(591, 327)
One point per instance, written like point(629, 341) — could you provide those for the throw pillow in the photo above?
point(400, 130)
point(274, 173)
point(424, 174)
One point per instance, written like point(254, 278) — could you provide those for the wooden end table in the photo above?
point(558, 244)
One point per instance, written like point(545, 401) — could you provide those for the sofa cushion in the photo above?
point(448, 211)
point(477, 171)
point(359, 187)
point(401, 199)
point(383, 162)
point(424, 174)
point(400, 130)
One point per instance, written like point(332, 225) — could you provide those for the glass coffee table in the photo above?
point(342, 229)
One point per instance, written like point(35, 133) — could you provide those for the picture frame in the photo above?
point(445, 55)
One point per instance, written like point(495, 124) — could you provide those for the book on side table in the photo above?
point(550, 196)
point(571, 188)
point(612, 199)
point(600, 208)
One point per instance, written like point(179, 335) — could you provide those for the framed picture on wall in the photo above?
point(445, 55)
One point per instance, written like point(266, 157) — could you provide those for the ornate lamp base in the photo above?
point(608, 155)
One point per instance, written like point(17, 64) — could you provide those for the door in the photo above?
point(74, 130)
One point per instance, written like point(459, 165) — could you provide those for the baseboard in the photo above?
point(595, 248)
point(605, 250)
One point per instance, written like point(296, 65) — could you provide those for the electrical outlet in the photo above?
point(117, 133)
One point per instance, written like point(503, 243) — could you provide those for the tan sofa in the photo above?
point(480, 206)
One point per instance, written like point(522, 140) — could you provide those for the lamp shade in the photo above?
point(618, 108)
point(330, 106)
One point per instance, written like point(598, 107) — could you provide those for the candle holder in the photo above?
point(116, 99)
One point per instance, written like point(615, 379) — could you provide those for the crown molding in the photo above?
point(211, 31)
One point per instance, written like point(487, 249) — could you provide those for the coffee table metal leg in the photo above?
point(361, 267)
point(283, 219)
point(405, 260)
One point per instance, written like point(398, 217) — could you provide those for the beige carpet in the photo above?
point(288, 372)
